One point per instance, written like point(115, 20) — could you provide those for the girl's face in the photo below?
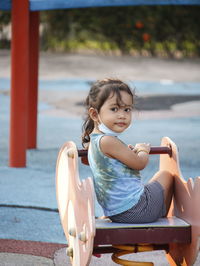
point(117, 117)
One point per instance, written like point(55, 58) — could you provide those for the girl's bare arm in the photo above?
point(136, 159)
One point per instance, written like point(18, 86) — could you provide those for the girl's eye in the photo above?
point(128, 109)
point(114, 109)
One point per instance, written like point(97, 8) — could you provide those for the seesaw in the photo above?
point(178, 234)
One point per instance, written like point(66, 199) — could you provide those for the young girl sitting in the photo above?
point(115, 166)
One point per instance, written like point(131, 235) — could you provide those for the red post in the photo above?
point(33, 79)
point(19, 82)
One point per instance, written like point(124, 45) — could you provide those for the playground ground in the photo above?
point(30, 230)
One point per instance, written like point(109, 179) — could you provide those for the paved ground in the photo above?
point(53, 66)
point(30, 230)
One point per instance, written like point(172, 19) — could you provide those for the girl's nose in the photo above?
point(121, 114)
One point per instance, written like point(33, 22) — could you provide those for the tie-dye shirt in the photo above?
point(117, 187)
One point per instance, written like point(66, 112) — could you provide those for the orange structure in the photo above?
point(24, 81)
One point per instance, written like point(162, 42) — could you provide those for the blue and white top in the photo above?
point(117, 187)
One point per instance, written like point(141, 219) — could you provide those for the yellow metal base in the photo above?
point(125, 249)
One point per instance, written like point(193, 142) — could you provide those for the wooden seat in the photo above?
point(178, 234)
point(171, 229)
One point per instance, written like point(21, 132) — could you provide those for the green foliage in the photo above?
point(167, 31)
point(159, 30)
point(4, 21)
point(4, 18)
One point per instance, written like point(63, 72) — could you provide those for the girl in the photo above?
point(115, 166)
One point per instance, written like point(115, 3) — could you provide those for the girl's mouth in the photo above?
point(121, 124)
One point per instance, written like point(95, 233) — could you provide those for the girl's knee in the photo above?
point(162, 175)
point(166, 173)
point(168, 176)
point(165, 178)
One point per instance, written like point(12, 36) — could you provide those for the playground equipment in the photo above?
point(178, 234)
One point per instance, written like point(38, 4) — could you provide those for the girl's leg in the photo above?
point(166, 180)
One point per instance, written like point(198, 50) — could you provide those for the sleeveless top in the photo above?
point(117, 187)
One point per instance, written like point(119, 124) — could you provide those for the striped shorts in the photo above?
point(149, 208)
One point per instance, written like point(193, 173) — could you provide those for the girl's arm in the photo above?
point(136, 158)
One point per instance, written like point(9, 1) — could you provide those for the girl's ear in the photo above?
point(93, 114)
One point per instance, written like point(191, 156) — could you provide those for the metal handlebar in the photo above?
point(153, 150)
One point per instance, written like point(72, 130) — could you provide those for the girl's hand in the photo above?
point(142, 147)
point(131, 147)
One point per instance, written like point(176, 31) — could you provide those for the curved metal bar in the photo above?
point(125, 250)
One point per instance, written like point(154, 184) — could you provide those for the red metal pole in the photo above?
point(19, 82)
point(33, 79)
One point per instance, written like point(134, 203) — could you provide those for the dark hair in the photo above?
point(98, 94)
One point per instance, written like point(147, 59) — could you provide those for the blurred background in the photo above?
point(161, 31)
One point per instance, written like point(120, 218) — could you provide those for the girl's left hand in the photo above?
point(131, 147)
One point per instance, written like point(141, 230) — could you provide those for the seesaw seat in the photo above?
point(172, 228)
point(178, 234)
